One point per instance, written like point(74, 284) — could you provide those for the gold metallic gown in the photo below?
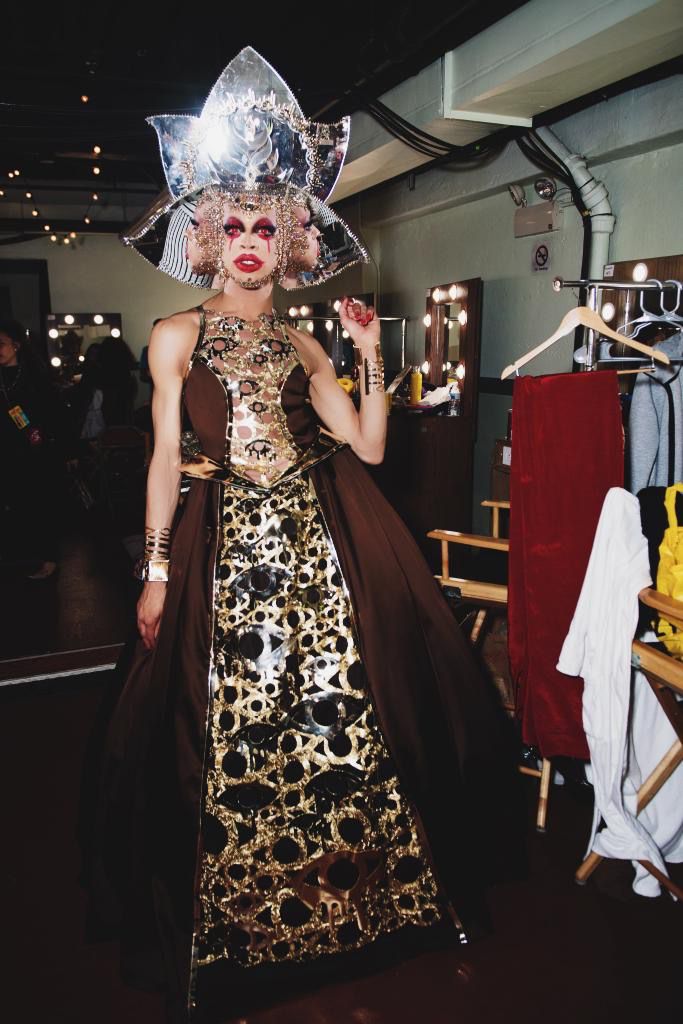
point(309, 845)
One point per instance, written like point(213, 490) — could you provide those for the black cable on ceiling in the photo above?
point(439, 150)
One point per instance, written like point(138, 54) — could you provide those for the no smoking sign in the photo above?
point(540, 257)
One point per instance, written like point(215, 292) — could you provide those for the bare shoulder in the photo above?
point(172, 341)
point(314, 355)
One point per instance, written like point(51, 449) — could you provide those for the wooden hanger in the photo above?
point(583, 316)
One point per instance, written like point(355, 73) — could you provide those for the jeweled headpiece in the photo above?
point(251, 140)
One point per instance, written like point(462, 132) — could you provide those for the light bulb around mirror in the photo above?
point(53, 332)
point(345, 334)
point(425, 366)
point(293, 311)
point(309, 327)
point(462, 317)
point(336, 304)
point(427, 319)
point(68, 319)
point(328, 325)
point(98, 318)
point(55, 361)
point(608, 312)
point(81, 359)
point(640, 272)
point(436, 295)
point(453, 292)
point(305, 311)
point(115, 332)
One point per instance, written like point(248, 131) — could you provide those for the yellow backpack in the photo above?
point(670, 571)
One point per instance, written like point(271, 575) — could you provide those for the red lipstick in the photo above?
point(248, 263)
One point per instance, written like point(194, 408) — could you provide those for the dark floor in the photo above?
point(87, 603)
point(560, 953)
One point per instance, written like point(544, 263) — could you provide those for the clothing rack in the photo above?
point(594, 288)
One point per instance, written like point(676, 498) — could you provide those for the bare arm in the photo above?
point(170, 348)
point(366, 429)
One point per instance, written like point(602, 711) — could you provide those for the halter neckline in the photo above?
point(226, 314)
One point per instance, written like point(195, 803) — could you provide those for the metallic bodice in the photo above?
point(253, 360)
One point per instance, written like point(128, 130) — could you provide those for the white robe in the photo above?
point(626, 728)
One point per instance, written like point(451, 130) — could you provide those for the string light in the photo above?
point(29, 195)
point(95, 196)
point(96, 150)
point(11, 174)
point(34, 212)
point(16, 173)
point(67, 240)
point(86, 220)
point(72, 234)
point(53, 238)
point(46, 227)
point(1, 192)
point(96, 170)
point(84, 98)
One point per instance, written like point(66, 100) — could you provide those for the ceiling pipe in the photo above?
point(595, 197)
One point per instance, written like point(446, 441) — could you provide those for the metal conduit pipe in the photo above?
point(595, 197)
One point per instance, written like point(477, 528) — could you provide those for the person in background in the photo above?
point(117, 381)
point(32, 430)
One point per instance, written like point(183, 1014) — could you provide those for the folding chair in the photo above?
point(487, 597)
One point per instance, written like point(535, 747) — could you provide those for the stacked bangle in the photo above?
point(153, 568)
point(371, 370)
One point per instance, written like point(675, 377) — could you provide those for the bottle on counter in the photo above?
point(416, 386)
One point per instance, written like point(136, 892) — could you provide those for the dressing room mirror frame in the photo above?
point(469, 295)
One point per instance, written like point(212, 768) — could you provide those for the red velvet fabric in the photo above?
point(567, 451)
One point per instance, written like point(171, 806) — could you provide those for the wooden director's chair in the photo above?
point(488, 597)
point(665, 675)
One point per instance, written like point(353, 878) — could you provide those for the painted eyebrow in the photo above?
point(264, 222)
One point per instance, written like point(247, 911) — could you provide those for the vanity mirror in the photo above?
point(321, 319)
point(70, 335)
point(453, 335)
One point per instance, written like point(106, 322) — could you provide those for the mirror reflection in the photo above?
point(452, 339)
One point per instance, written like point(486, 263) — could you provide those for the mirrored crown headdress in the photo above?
point(251, 136)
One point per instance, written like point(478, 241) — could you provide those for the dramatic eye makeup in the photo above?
point(233, 227)
point(265, 228)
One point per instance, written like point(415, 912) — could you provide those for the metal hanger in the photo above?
point(583, 316)
point(672, 315)
point(646, 317)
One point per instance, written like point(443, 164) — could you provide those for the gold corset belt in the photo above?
point(197, 464)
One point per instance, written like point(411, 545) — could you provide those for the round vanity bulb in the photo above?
point(640, 272)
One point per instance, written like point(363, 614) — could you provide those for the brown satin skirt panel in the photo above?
point(440, 717)
point(142, 867)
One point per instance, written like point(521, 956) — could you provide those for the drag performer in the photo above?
point(304, 761)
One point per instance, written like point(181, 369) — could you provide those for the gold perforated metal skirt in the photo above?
point(308, 845)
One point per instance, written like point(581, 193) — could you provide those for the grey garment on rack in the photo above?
point(653, 437)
